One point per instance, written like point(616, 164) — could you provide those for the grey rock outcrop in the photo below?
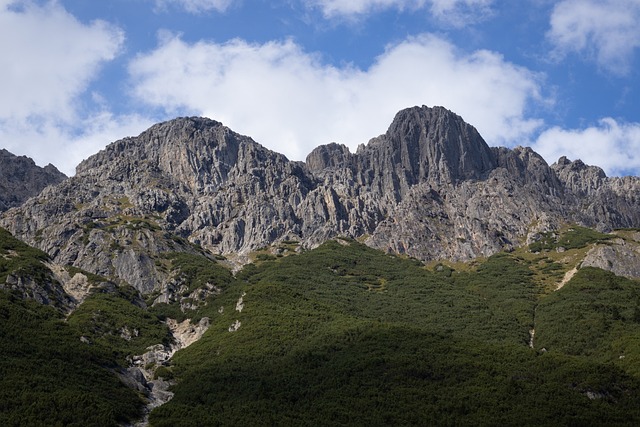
point(430, 187)
point(21, 178)
point(620, 256)
point(600, 201)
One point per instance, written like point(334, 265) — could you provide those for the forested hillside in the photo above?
point(339, 335)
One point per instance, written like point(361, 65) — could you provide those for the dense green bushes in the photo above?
point(344, 335)
point(574, 238)
point(199, 270)
point(49, 377)
point(115, 321)
point(597, 315)
point(21, 259)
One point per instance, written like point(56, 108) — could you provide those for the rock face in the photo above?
point(21, 179)
point(602, 202)
point(430, 187)
point(621, 257)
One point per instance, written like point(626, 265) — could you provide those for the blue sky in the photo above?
point(559, 76)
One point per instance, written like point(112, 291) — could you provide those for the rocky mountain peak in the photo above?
point(21, 178)
point(430, 187)
point(429, 144)
point(329, 156)
point(433, 143)
point(192, 149)
point(578, 176)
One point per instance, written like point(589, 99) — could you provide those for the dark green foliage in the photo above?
point(199, 270)
point(265, 257)
point(345, 335)
point(163, 372)
point(166, 311)
point(20, 259)
point(196, 271)
point(381, 375)
point(49, 377)
point(116, 321)
point(507, 298)
point(574, 238)
point(596, 315)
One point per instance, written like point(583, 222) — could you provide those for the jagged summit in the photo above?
point(421, 144)
point(430, 187)
point(21, 178)
point(179, 147)
point(436, 144)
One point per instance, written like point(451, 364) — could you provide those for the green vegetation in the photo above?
point(341, 335)
point(196, 272)
point(573, 238)
point(199, 270)
point(20, 259)
point(345, 335)
point(116, 321)
point(597, 316)
point(49, 377)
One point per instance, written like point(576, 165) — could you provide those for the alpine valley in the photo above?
point(191, 277)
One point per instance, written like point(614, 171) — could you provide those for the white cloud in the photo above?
point(451, 11)
point(290, 101)
point(197, 6)
point(48, 59)
point(67, 145)
point(331, 8)
point(613, 146)
point(606, 31)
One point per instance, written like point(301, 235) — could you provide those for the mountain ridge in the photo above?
point(430, 187)
point(338, 328)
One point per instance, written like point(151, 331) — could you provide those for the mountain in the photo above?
point(190, 276)
point(21, 178)
point(430, 188)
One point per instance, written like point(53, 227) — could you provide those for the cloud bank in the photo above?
point(287, 98)
point(439, 8)
point(196, 6)
point(605, 31)
point(291, 101)
point(612, 145)
point(48, 62)
point(48, 58)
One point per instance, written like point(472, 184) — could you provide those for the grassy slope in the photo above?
point(20, 259)
point(597, 315)
point(105, 316)
point(347, 335)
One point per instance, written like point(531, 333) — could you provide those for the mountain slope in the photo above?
point(430, 188)
point(342, 334)
point(21, 179)
point(48, 376)
point(347, 335)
